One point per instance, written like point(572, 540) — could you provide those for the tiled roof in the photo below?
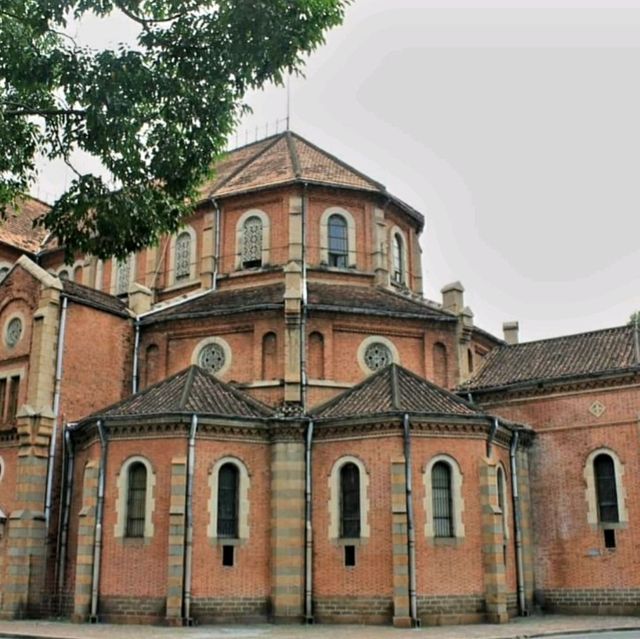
point(283, 159)
point(370, 300)
point(598, 352)
point(394, 389)
point(222, 302)
point(17, 228)
point(192, 390)
point(93, 297)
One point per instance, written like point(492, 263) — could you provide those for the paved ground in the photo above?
point(521, 628)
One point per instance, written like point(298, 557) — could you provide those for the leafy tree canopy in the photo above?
point(155, 113)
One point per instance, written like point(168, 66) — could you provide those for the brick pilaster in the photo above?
point(175, 554)
point(400, 546)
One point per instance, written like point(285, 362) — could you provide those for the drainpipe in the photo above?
point(97, 544)
point(136, 356)
point(303, 318)
point(411, 533)
point(67, 491)
point(216, 245)
point(308, 541)
point(492, 436)
point(188, 536)
point(517, 519)
point(56, 416)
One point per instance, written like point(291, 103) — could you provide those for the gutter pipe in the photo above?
point(188, 537)
point(136, 356)
point(56, 416)
point(308, 538)
point(303, 316)
point(67, 491)
point(517, 520)
point(411, 534)
point(216, 245)
point(97, 543)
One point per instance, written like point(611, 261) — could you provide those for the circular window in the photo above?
point(212, 358)
point(14, 332)
point(377, 356)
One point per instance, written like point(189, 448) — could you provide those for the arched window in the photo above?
point(398, 259)
point(440, 365)
point(269, 356)
point(349, 501)
point(182, 257)
point(441, 499)
point(338, 241)
point(606, 491)
point(228, 484)
point(470, 360)
point(123, 276)
point(316, 356)
point(63, 274)
point(77, 274)
point(252, 242)
point(136, 500)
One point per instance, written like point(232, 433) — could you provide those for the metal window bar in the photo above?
point(442, 503)
point(227, 525)
point(349, 501)
point(338, 242)
point(606, 491)
point(183, 256)
point(136, 500)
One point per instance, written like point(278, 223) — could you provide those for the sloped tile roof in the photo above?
point(370, 300)
point(286, 158)
point(192, 390)
point(17, 228)
point(394, 389)
point(93, 297)
point(221, 302)
point(593, 353)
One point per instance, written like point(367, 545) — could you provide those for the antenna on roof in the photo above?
point(288, 101)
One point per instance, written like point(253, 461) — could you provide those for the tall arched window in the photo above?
point(136, 500)
point(77, 274)
point(349, 501)
point(252, 242)
point(398, 259)
point(316, 356)
point(441, 499)
point(227, 520)
point(440, 365)
point(182, 259)
point(123, 276)
point(606, 491)
point(269, 356)
point(338, 241)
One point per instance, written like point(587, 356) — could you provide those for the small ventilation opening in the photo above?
point(227, 556)
point(349, 555)
point(610, 538)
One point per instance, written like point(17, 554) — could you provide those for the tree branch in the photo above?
point(45, 113)
point(145, 22)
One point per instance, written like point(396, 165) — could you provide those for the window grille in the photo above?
point(183, 257)
point(123, 272)
point(349, 501)
point(398, 259)
point(136, 500)
point(338, 242)
point(212, 358)
point(228, 480)
point(605, 475)
point(252, 243)
point(442, 502)
point(377, 356)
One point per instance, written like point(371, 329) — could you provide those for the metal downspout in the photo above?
point(216, 246)
point(136, 356)
point(64, 527)
point(97, 543)
point(188, 535)
point(308, 539)
point(517, 519)
point(303, 318)
point(56, 416)
point(411, 534)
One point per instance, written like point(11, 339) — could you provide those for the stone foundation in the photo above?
point(454, 609)
point(590, 601)
point(370, 610)
point(219, 610)
point(131, 609)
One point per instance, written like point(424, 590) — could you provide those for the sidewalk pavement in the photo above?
point(521, 628)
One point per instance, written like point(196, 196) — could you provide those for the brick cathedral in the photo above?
point(262, 418)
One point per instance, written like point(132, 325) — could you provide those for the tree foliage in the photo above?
point(155, 113)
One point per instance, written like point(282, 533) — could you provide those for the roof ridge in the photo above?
point(246, 163)
point(293, 152)
point(186, 391)
point(396, 395)
point(570, 336)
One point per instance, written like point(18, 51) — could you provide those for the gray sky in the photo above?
point(513, 126)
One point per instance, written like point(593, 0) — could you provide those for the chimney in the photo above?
point(453, 297)
point(510, 330)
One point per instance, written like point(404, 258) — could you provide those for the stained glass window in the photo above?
point(252, 242)
point(183, 256)
point(338, 242)
point(377, 356)
point(123, 273)
point(212, 358)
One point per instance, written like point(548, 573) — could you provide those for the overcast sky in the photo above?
point(513, 126)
